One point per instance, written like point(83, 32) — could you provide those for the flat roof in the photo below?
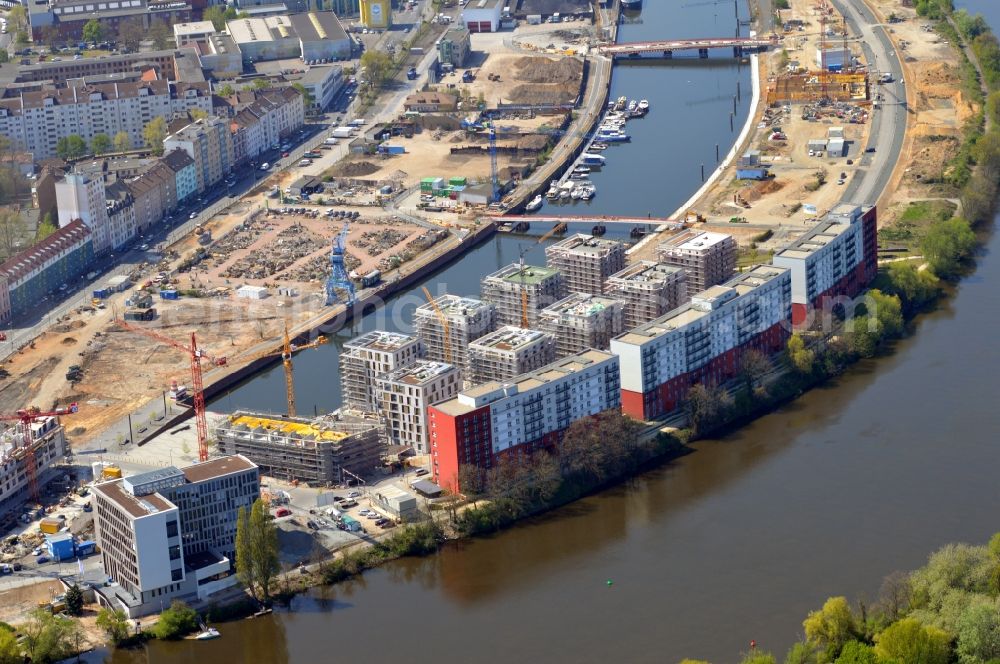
point(298, 427)
point(483, 4)
point(580, 305)
point(136, 506)
point(695, 240)
point(814, 239)
point(318, 26)
point(646, 272)
point(381, 340)
point(510, 338)
point(269, 28)
point(194, 28)
point(208, 470)
point(584, 244)
point(419, 373)
point(529, 274)
point(455, 306)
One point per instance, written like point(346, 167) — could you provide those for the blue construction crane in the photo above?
point(339, 280)
point(494, 176)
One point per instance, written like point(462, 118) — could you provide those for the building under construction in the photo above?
point(49, 445)
point(582, 321)
point(522, 291)
point(465, 318)
point(813, 86)
point(509, 352)
point(586, 262)
point(648, 290)
point(405, 394)
point(707, 258)
point(321, 451)
point(368, 356)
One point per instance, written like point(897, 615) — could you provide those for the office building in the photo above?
point(191, 33)
point(580, 321)
point(509, 352)
point(707, 258)
point(517, 417)
point(65, 19)
point(403, 396)
point(511, 287)
point(454, 46)
point(365, 358)
point(209, 143)
point(703, 341)
point(648, 290)
point(449, 324)
point(171, 533)
point(586, 262)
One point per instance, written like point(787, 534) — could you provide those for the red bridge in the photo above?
point(591, 219)
point(668, 46)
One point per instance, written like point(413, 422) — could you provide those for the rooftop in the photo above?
point(579, 304)
point(835, 223)
point(528, 274)
point(270, 28)
point(510, 338)
point(455, 306)
point(135, 506)
point(583, 244)
point(318, 26)
point(381, 340)
point(208, 470)
point(648, 272)
point(694, 240)
point(194, 28)
point(482, 4)
point(420, 372)
point(75, 233)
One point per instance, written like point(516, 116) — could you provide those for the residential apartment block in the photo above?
point(171, 533)
point(837, 257)
point(586, 262)
point(449, 324)
point(648, 290)
point(365, 358)
point(319, 451)
point(508, 352)
point(703, 341)
point(67, 17)
point(35, 121)
point(580, 321)
point(403, 396)
point(81, 197)
point(707, 258)
point(261, 118)
point(517, 417)
point(49, 446)
point(508, 288)
point(210, 144)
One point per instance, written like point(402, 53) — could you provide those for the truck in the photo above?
point(358, 122)
point(330, 141)
point(342, 132)
point(467, 76)
point(534, 19)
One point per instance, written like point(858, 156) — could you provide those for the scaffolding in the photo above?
point(467, 320)
point(706, 258)
point(368, 356)
point(648, 290)
point(48, 443)
point(509, 352)
point(586, 262)
point(581, 321)
point(512, 286)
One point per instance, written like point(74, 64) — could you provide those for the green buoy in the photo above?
point(610, 582)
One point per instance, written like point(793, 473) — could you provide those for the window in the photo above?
point(176, 575)
point(175, 552)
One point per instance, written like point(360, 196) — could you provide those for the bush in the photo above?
point(947, 245)
point(175, 622)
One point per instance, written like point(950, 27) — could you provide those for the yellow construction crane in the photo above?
point(525, 323)
point(446, 327)
point(286, 350)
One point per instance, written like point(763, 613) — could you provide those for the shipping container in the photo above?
point(102, 293)
point(425, 185)
point(457, 180)
point(50, 526)
point(170, 294)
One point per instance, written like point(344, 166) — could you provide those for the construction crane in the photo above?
point(494, 175)
point(27, 417)
point(445, 325)
point(525, 323)
point(339, 279)
point(198, 390)
point(286, 350)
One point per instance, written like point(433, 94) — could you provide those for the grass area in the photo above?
point(914, 221)
point(750, 256)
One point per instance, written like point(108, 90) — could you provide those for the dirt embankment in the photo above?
point(545, 80)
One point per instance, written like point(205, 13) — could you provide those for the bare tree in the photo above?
point(754, 365)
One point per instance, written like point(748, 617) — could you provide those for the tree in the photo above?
point(954, 567)
point(801, 358)
point(261, 84)
point(122, 142)
point(915, 288)
point(216, 15)
point(830, 627)
point(758, 658)
point(307, 97)
point(855, 652)
point(4, 56)
point(894, 595)
point(175, 622)
point(947, 244)
point(377, 66)
point(801, 653)
point(93, 31)
point(257, 561)
point(198, 113)
point(979, 634)
point(160, 34)
point(12, 232)
point(910, 642)
point(154, 132)
point(51, 36)
point(74, 601)
point(888, 310)
point(225, 91)
point(10, 650)
point(71, 147)
point(131, 34)
point(754, 365)
point(865, 333)
point(48, 638)
point(114, 623)
point(100, 144)
point(18, 17)
point(706, 406)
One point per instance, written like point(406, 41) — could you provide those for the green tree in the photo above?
point(74, 600)
point(947, 244)
point(17, 17)
point(93, 31)
point(864, 335)
point(706, 407)
point(909, 642)
point(215, 14)
point(801, 653)
point(225, 91)
point(261, 84)
point(307, 97)
point(915, 288)
point(122, 142)
point(13, 232)
point(694, 661)
point(10, 650)
point(4, 56)
point(175, 622)
point(160, 33)
point(100, 144)
point(49, 638)
point(154, 132)
point(801, 358)
point(46, 228)
point(198, 114)
point(377, 66)
point(114, 623)
point(257, 560)
point(71, 147)
point(960, 567)
point(830, 627)
point(758, 658)
point(979, 634)
point(855, 652)
point(888, 310)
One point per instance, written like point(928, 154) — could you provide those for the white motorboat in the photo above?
point(534, 204)
point(210, 633)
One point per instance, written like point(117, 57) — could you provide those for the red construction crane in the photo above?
point(197, 387)
point(27, 417)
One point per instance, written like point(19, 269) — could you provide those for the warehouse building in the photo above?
point(707, 258)
point(321, 36)
point(509, 287)
point(580, 321)
point(482, 15)
point(586, 262)
point(365, 358)
point(403, 396)
point(460, 321)
point(509, 352)
point(648, 290)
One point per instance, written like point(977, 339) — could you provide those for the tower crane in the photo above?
point(445, 325)
point(198, 391)
point(339, 279)
point(286, 350)
point(27, 417)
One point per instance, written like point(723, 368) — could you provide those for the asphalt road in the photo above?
point(889, 120)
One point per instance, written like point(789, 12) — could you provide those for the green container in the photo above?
point(456, 181)
point(427, 184)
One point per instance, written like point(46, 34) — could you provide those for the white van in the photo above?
point(265, 166)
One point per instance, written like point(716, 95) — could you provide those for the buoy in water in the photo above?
point(610, 582)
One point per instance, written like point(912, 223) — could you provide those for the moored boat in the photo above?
point(534, 204)
point(210, 633)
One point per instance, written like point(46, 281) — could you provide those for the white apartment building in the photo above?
point(365, 358)
point(403, 396)
point(586, 262)
point(35, 121)
point(209, 143)
point(170, 533)
point(508, 352)
point(82, 197)
point(580, 321)
point(265, 120)
point(449, 324)
point(707, 258)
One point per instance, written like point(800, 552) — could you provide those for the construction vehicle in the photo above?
point(27, 417)
point(198, 391)
point(286, 350)
point(445, 326)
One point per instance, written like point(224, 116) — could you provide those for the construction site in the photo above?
point(580, 321)
point(447, 325)
point(648, 290)
point(586, 262)
point(508, 352)
point(519, 292)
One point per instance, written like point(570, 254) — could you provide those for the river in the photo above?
point(734, 542)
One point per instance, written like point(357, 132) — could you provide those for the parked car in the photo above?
point(354, 494)
point(282, 511)
point(422, 471)
point(41, 560)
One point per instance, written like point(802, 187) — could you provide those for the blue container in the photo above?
point(169, 295)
